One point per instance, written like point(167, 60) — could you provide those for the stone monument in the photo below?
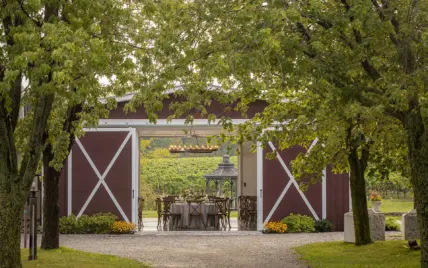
point(409, 225)
point(376, 222)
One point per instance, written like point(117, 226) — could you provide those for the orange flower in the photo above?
point(275, 227)
point(123, 227)
point(374, 196)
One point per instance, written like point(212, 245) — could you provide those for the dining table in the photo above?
point(182, 207)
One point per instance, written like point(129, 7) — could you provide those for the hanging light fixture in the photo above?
point(202, 149)
point(193, 149)
point(175, 149)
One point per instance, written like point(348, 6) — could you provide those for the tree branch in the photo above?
point(21, 6)
point(367, 66)
point(393, 20)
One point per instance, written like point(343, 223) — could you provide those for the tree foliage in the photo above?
point(352, 73)
point(55, 55)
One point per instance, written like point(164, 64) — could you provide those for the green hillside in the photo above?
point(163, 173)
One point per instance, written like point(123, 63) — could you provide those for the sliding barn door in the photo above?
point(101, 174)
point(327, 199)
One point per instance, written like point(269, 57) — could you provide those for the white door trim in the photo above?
point(292, 181)
point(135, 170)
point(101, 178)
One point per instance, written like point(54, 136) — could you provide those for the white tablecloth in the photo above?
point(183, 209)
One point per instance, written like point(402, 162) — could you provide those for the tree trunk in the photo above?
point(418, 157)
point(50, 238)
point(11, 208)
point(359, 201)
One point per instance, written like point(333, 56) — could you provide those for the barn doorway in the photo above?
point(186, 175)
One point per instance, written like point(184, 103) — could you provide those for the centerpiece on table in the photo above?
point(376, 201)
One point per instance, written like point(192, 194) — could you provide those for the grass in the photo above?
point(395, 205)
point(154, 214)
point(385, 254)
point(69, 258)
point(398, 218)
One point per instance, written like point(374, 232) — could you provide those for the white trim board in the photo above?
point(135, 174)
point(259, 187)
point(291, 181)
point(122, 123)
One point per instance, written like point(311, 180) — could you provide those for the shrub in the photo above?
point(82, 225)
point(323, 226)
point(123, 227)
point(299, 223)
point(67, 225)
point(275, 227)
point(392, 225)
point(100, 223)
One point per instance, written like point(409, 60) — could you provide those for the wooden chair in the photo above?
point(163, 208)
point(219, 214)
point(195, 211)
point(251, 211)
point(242, 207)
point(140, 213)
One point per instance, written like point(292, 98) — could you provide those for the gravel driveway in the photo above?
point(202, 249)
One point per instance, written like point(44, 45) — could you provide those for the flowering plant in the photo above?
point(375, 197)
point(123, 227)
point(275, 227)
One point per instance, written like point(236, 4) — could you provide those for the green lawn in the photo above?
point(395, 205)
point(153, 214)
point(68, 258)
point(339, 254)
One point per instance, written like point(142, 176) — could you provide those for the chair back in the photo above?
point(195, 207)
point(164, 206)
point(141, 202)
point(221, 205)
point(211, 198)
point(252, 203)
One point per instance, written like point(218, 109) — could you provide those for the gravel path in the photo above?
point(201, 249)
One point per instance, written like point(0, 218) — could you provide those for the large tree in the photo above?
point(56, 58)
point(362, 63)
point(121, 27)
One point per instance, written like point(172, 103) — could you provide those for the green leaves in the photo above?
point(321, 67)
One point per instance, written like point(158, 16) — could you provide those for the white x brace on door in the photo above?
point(293, 182)
point(102, 174)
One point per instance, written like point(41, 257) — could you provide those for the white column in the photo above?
point(259, 187)
point(135, 175)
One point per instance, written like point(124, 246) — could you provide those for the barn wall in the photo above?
point(215, 108)
point(275, 180)
point(337, 198)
